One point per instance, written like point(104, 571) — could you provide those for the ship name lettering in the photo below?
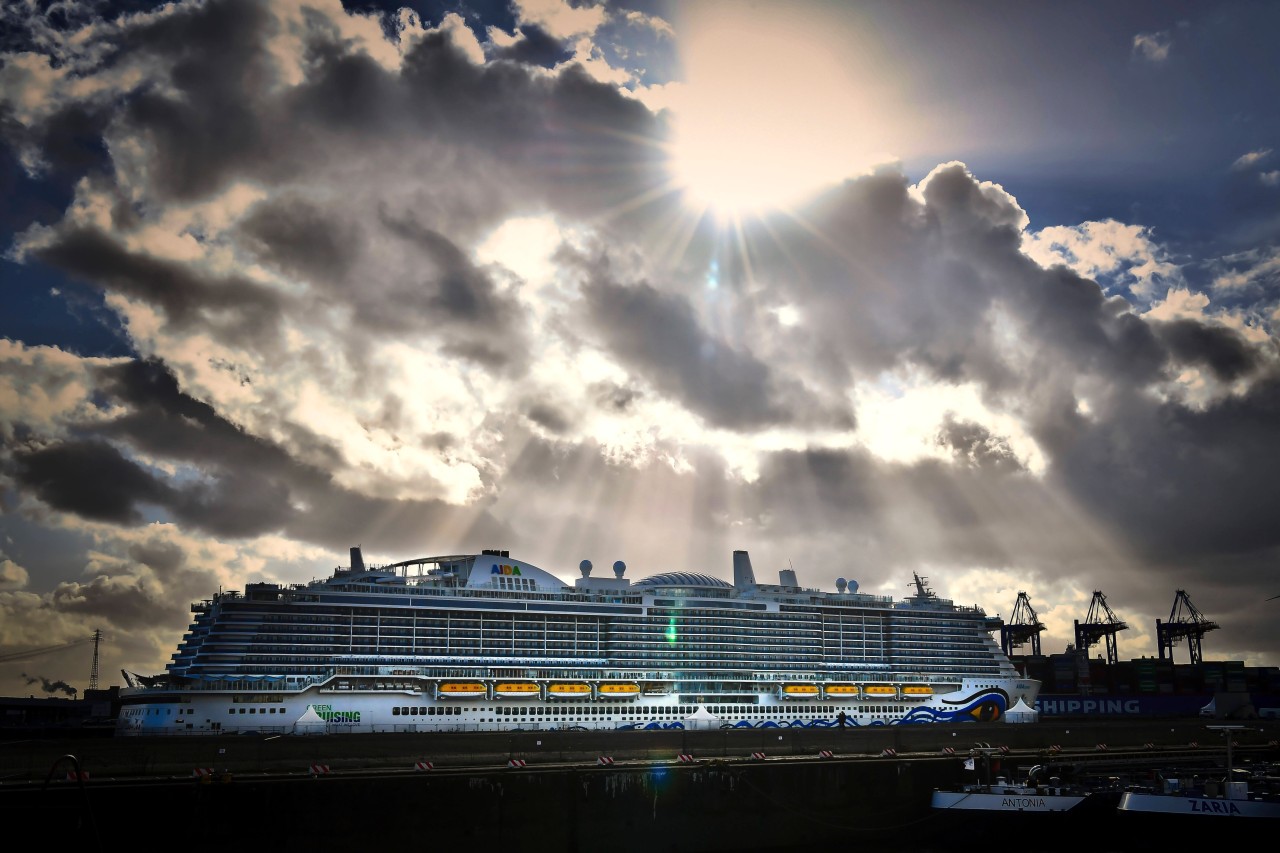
point(504, 569)
point(1023, 803)
point(1213, 807)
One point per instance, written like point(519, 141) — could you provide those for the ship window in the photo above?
point(395, 712)
point(431, 711)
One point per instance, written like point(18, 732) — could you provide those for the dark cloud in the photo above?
point(614, 397)
point(246, 486)
point(457, 291)
point(67, 144)
point(208, 125)
point(441, 293)
point(91, 479)
point(974, 444)
point(534, 47)
point(162, 557)
point(1226, 355)
point(658, 335)
point(1183, 485)
point(302, 237)
point(549, 417)
point(232, 307)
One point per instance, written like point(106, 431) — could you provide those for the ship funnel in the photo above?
point(743, 577)
point(357, 561)
point(787, 577)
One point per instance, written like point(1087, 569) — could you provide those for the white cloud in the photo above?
point(1153, 47)
point(653, 22)
point(45, 389)
point(1108, 251)
point(560, 19)
point(1254, 268)
point(1271, 179)
point(1252, 158)
point(900, 416)
point(1180, 303)
point(12, 576)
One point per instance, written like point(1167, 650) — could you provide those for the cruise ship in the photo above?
point(487, 642)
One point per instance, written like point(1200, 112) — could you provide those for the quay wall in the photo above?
point(265, 793)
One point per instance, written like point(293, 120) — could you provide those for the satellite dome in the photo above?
point(585, 568)
point(841, 583)
point(618, 568)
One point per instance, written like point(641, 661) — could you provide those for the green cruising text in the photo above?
point(487, 642)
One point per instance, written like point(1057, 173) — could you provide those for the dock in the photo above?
point(771, 789)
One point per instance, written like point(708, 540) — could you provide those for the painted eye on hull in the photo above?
point(987, 712)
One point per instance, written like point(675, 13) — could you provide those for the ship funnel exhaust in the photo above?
point(743, 577)
point(357, 560)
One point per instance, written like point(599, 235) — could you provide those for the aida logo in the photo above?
point(504, 569)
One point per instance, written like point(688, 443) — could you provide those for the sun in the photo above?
point(767, 115)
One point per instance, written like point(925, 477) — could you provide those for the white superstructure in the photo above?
point(488, 642)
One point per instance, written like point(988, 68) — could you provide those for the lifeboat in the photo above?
point(841, 691)
point(615, 689)
point(879, 691)
point(461, 689)
point(916, 691)
point(516, 690)
point(569, 690)
point(799, 691)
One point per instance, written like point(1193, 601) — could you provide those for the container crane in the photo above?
point(1100, 624)
point(1185, 622)
point(1023, 627)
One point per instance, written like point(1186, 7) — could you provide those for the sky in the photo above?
point(983, 291)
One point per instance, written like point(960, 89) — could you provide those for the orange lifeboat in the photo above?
point(879, 691)
point(617, 689)
point(800, 691)
point(461, 690)
point(569, 690)
point(516, 690)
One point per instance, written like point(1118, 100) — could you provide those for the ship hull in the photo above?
point(416, 706)
point(1005, 801)
point(1196, 807)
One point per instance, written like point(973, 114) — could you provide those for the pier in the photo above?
point(772, 789)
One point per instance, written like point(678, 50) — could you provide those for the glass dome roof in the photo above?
point(684, 579)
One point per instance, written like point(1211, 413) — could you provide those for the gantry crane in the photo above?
point(1184, 622)
point(1100, 624)
point(1023, 626)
